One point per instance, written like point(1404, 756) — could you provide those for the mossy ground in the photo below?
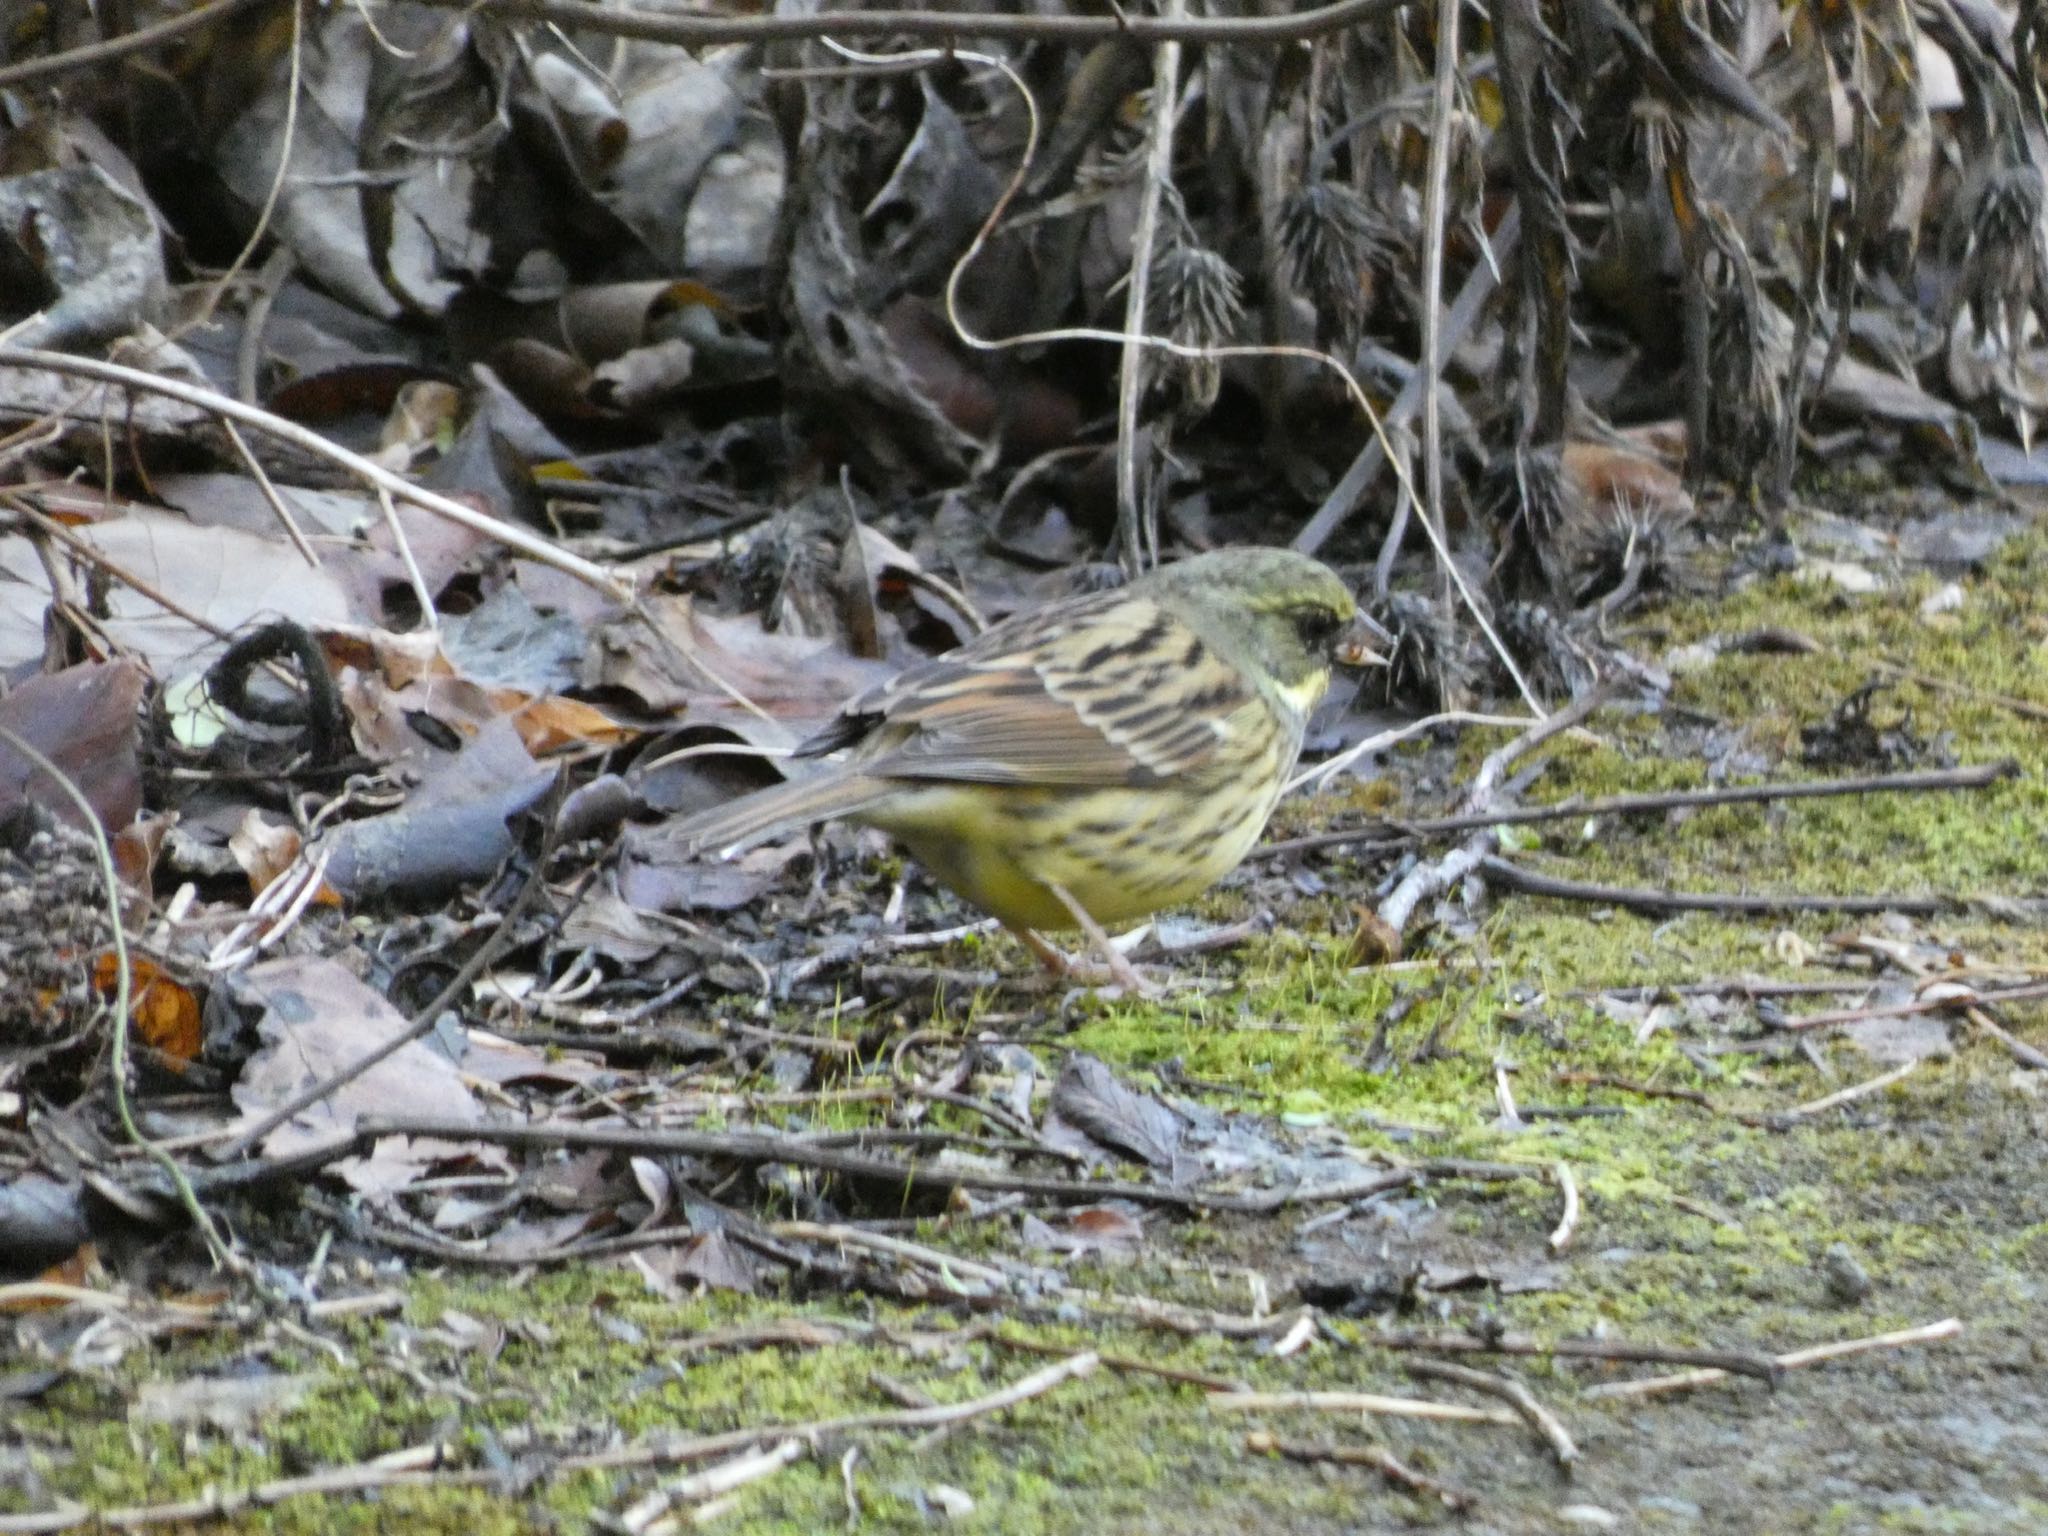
point(1700, 1227)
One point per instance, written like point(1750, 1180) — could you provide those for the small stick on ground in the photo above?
point(1662, 903)
point(1378, 1457)
point(2023, 1053)
point(1362, 1402)
point(1126, 1364)
point(2026, 709)
point(1568, 1223)
point(915, 1253)
point(1192, 1322)
point(1849, 1095)
point(1653, 1386)
point(1426, 880)
point(1725, 986)
point(759, 1147)
point(712, 1482)
point(1647, 1090)
point(1634, 805)
point(697, 1447)
point(1734, 1362)
point(2031, 992)
point(1539, 1418)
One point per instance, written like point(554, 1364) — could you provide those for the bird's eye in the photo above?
point(1316, 626)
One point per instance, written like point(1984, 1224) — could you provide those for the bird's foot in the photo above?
point(1115, 968)
point(1087, 972)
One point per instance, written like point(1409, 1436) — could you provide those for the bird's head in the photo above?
point(1284, 616)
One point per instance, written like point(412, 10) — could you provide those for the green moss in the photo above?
point(1700, 1225)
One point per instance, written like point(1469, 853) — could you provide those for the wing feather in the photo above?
point(1111, 690)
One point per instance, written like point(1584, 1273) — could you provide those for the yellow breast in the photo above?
point(1122, 852)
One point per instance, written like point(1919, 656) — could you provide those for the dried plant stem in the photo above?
point(1546, 1424)
point(1937, 780)
point(1433, 213)
point(1639, 899)
point(413, 1467)
point(1568, 1223)
point(1851, 1094)
point(141, 40)
point(1378, 1457)
point(1124, 1364)
point(1137, 535)
point(268, 488)
point(1344, 496)
point(1360, 1402)
point(938, 26)
point(1735, 1362)
point(94, 557)
point(1928, 1333)
point(845, 1236)
point(1426, 880)
point(691, 1448)
point(228, 409)
point(721, 1478)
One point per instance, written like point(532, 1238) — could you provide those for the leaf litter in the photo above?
point(731, 441)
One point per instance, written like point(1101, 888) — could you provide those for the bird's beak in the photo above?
point(1364, 643)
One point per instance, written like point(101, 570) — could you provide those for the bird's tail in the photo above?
point(782, 808)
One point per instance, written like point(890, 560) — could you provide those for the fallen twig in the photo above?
point(895, 1247)
point(1732, 1362)
point(1425, 880)
point(1928, 1333)
point(1568, 1223)
point(1190, 1322)
point(2032, 992)
point(229, 409)
point(1126, 1364)
point(2023, 1053)
point(762, 1148)
point(1647, 1090)
point(140, 40)
point(1943, 779)
point(1361, 1402)
point(697, 1487)
point(219, 1503)
point(1378, 1457)
point(696, 31)
point(1546, 1424)
point(2025, 708)
point(1849, 1095)
point(1660, 903)
point(1726, 986)
point(698, 1447)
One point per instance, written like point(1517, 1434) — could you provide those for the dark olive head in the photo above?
point(1283, 616)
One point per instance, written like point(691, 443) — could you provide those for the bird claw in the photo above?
point(1125, 980)
point(1107, 969)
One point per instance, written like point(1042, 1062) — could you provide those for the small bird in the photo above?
point(1089, 762)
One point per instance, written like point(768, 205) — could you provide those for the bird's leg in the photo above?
point(1121, 971)
point(1058, 963)
point(1048, 955)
